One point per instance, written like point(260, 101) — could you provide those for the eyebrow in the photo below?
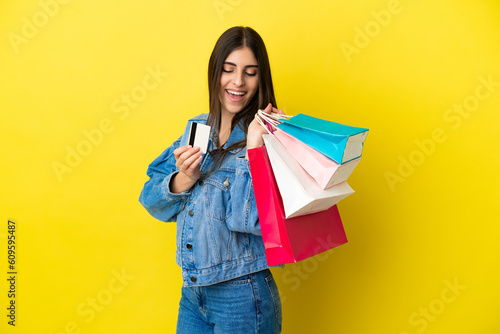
point(233, 64)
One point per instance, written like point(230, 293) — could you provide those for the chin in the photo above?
point(235, 110)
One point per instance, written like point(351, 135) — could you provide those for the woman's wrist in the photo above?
point(254, 143)
point(180, 183)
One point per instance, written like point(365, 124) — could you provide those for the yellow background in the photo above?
point(412, 232)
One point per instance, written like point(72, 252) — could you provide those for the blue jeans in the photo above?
point(248, 304)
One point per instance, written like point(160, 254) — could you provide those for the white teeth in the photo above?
point(235, 93)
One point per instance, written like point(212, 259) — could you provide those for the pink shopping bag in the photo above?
point(324, 170)
point(293, 239)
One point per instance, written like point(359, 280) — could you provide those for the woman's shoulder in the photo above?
point(199, 118)
point(202, 119)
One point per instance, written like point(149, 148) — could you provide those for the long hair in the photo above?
point(231, 39)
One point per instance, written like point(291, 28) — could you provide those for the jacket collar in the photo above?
point(236, 135)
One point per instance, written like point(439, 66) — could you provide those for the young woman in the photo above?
point(227, 285)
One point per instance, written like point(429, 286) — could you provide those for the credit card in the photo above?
point(199, 135)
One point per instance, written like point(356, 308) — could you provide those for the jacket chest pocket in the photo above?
point(218, 194)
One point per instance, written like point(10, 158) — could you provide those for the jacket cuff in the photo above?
point(168, 193)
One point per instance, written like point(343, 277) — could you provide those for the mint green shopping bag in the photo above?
point(341, 143)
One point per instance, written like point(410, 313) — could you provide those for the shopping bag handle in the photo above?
point(270, 121)
point(264, 125)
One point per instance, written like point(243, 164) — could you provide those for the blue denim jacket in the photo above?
point(218, 230)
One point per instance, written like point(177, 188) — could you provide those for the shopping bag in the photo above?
point(324, 170)
point(339, 142)
point(300, 193)
point(293, 239)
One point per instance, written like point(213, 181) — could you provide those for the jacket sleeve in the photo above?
point(244, 217)
point(156, 196)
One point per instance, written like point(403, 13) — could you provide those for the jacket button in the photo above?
point(200, 182)
point(191, 212)
point(193, 279)
point(189, 246)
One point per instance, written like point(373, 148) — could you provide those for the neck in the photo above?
point(225, 127)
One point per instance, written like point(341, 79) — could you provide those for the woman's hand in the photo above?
point(255, 130)
point(187, 159)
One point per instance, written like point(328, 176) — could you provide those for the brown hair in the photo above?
point(231, 39)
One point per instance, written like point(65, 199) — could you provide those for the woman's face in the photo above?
point(239, 81)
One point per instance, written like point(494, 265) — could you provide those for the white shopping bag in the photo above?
point(301, 194)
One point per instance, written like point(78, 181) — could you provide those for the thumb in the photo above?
point(269, 108)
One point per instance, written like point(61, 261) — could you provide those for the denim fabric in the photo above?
point(248, 304)
point(218, 230)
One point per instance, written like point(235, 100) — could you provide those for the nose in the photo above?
point(238, 79)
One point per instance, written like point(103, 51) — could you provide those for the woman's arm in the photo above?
point(158, 195)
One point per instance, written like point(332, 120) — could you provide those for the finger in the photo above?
point(178, 151)
point(269, 108)
point(193, 152)
point(186, 165)
point(185, 155)
point(278, 111)
point(195, 164)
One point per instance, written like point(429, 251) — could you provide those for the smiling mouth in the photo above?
point(235, 96)
point(235, 93)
